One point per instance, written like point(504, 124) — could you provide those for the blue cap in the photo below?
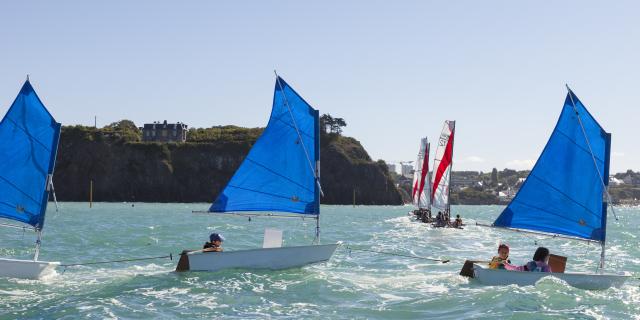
point(216, 237)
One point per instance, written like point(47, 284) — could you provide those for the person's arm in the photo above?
point(511, 267)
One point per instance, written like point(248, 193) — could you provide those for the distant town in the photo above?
point(499, 187)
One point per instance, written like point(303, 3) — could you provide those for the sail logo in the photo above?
point(443, 140)
point(19, 209)
point(295, 199)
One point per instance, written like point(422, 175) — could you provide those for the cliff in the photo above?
point(123, 169)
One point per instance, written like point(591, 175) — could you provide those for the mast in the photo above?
point(453, 140)
point(316, 147)
point(317, 174)
point(604, 178)
point(428, 177)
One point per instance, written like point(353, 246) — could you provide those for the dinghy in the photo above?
point(281, 173)
point(442, 164)
point(420, 194)
point(29, 138)
point(565, 195)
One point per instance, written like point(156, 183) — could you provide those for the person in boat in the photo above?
point(501, 261)
point(214, 244)
point(426, 216)
point(540, 261)
point(458, 222)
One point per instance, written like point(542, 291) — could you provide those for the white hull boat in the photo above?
point(565, 195)
point(587, 281)
point(281, 174)
point(26, 269)
point(29, 138)
point(263, 258)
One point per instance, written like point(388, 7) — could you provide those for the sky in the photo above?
point(393, 70)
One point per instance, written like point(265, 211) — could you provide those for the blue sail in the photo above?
point(28, 144)
point(563, 194)
point(279, 173)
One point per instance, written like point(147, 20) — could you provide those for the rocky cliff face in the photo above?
point(197, 172)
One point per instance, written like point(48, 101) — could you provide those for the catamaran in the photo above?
point(565, 195)
point(443, 164)
point(281, 173)
point(420, 194)
point(29, 138)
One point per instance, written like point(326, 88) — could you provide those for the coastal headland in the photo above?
point(124, 168)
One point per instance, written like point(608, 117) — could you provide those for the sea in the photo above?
point(354, 284)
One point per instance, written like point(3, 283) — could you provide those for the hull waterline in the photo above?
point(587, 281)
point(26, 269)
point(263, 258)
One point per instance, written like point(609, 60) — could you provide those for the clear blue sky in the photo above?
point(395, 70)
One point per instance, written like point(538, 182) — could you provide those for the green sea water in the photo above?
point(353, 285)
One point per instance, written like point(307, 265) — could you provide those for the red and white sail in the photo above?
point(442, 164)
point(421, 186)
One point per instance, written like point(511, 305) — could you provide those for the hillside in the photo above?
point(124, 169)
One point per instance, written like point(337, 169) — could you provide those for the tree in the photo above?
point(330, 124)
point(127, 129)
point(339, 123)
point(326, 122)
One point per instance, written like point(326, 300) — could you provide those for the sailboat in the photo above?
point(420, 193)
point(565, 195)
point(29, 138)
point(443, 164)
point(281, 173)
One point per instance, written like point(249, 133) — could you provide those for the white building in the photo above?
point(406, 170)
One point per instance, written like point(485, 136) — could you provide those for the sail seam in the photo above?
point(566, 196)
point(279, 175)
point(578, 145)
point(584, 133)
point(28, 134)
point(18, 189)
point(266, 193)
point(279, 119)
point(293, 119)
point(551, 213)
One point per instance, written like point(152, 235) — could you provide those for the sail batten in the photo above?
point(29, 138)
point(563, 194)
point(278, 174)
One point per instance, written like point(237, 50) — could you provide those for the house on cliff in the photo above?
point(164, 132)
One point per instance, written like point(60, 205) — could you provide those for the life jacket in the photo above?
point(498, 263)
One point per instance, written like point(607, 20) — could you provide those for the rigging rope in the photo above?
point(295, 126)
point(595, 163)
point(170, 256)
point(349, 248)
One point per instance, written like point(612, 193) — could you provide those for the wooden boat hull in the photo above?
point(587, 281)
point(26, 269)
point(263, 258)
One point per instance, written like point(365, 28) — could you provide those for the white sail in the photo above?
point(421, 181)
point(442, 164)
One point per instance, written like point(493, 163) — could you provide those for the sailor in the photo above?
point(458, 222)
point(440, 220)
point(540, 261)
point(502, 259)
point(214, 244)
